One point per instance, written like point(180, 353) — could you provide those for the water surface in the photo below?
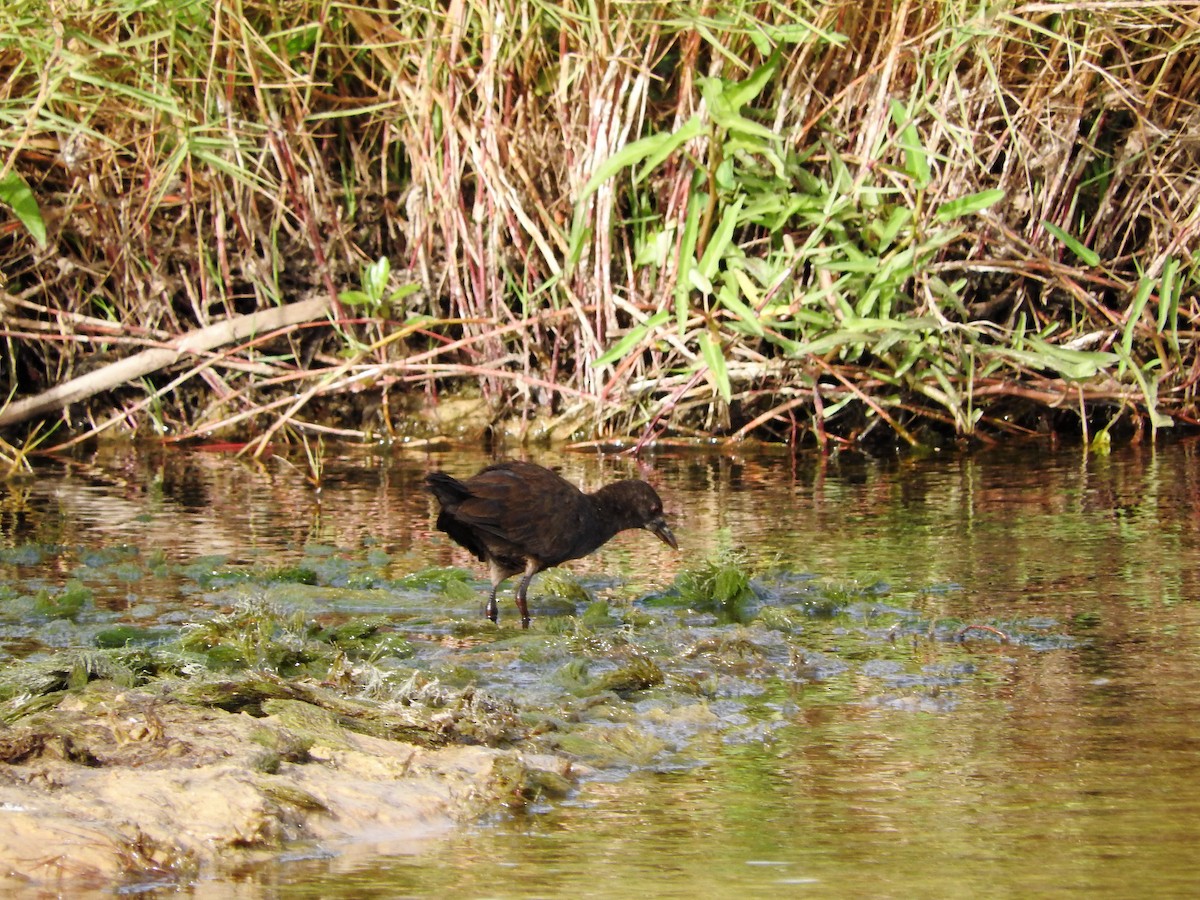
point(846, 762)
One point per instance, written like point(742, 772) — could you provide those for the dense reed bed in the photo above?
point(832, 222)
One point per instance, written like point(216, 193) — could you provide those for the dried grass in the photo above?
point(803, 244)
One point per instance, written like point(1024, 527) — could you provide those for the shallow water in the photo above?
point(1063, 762)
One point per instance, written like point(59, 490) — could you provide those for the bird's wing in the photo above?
point(527, 507)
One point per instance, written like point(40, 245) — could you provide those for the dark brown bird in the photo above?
point(522, 517)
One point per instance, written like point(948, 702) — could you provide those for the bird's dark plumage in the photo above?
point(519, 517)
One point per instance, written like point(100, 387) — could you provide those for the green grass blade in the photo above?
point(632, 339)
point(16, 194)
point(687, 252)
point(1086, 255)
point(714, 358)
point(1140, 297)
point(968, 205)
point(916, 160)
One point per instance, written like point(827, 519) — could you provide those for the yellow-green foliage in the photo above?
point(766, 217)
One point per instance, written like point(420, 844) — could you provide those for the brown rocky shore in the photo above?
point(115, 786)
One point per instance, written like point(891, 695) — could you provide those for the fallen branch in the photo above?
point(144, 363)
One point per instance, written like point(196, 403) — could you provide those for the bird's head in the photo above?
point(634, 504)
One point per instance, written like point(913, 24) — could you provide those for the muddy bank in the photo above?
point(124, 786)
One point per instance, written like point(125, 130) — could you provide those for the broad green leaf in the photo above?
point(355, 298)
point(631, 339)
point(405, 290)
point(720, 240)
point(742, 92)
point(654, 149)
point(16, 194)
point(375, 277)
point(718, 97)
point(725, 177)
point(968, 205)
point(688, 130)
point(1086, 255)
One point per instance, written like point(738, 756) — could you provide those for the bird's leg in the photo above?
point(498, 575)
point(530, 570)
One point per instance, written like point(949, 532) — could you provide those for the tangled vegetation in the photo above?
point(826, 221)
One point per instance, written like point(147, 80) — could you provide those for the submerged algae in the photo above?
point(316, 704)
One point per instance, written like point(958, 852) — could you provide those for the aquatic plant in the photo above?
point(720, 584)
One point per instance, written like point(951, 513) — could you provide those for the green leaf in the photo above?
point(1086, 255)
point(1140, 297)
point(916, 160)
point(751, 291)
point(652, 250)
point(724, 107)
point(1074, 364)
point(742, 92)
point(867, 330)
point(728, 297)
point(403, 291)
point(1149, 389)
point(651, 150)
point(720, 240)
point(355, 298)
point(631, 339)
point(581, 232)
point(375, 277)
point(16, 194)
point(697, 280)
point(660, 150)
point(900, 218)
point(687, 251)
point(761, 148)
point(968, 205)
point(714, 358)
point(1168, 295)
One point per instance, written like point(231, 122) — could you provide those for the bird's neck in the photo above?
point(612, 513)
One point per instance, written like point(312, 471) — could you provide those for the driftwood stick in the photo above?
point(147, 361)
